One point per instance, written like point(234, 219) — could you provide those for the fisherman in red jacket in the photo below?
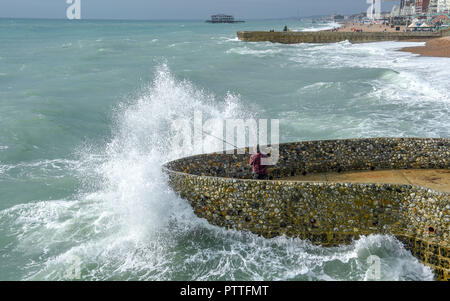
point(259, 170)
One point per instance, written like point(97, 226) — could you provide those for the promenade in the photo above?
point(436, 179)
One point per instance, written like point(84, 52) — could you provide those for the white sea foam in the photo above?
point(417, 83)
point(318, 85)
point(222, 40)
point(256, 52)
point(43, 168)
point(3, 169)
point(235, 39)
point(320, 26)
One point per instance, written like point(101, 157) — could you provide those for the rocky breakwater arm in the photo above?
point(332, 37)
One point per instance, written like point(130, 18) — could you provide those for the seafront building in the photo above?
point(422, 6)
point(407, 7)
point(443, 6)
point(416, 15)
point(418, 7)
point(422, 14)
point(433, 7)
point(396, 11)
point(374, 10)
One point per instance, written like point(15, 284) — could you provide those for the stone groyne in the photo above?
point(333, 37)
point(219, 188)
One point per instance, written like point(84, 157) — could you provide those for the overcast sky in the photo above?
point(181, 9)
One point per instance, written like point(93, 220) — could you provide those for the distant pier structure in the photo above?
point(222, 18)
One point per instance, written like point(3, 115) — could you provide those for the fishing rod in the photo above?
point(220, 139)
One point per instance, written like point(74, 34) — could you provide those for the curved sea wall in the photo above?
point(219, 188)
point(333, 37)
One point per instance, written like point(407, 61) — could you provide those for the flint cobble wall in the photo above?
point(219, 189)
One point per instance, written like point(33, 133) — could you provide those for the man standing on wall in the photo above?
point(259, 170)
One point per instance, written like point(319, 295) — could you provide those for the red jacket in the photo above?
point(255, 162)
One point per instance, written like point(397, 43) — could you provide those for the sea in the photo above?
point(86, 121)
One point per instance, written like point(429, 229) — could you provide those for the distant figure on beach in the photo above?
point(285, 28)
point(259, 171)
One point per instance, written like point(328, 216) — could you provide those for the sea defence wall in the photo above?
point(333, 37)
point(219, 188)
point(445, 32)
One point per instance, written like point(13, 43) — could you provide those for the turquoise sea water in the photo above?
point(86, 110)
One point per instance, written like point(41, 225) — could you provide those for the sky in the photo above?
point(181, 9)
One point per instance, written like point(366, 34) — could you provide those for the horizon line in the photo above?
point(168, 19)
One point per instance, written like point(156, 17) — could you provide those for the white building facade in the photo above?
point(433, 7)
point(374, 10)
point(443, 5)
point(395, 11)
point(407, 7)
